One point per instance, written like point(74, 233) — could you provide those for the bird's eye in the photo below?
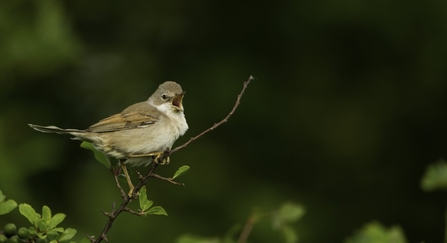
point(164, 96)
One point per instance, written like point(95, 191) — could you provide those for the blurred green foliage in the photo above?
point(192, 239)
point(435, 177)
point(347, 110)
point(281, 220)
point(377, 233)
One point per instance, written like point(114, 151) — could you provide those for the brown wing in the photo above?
point(136, 116)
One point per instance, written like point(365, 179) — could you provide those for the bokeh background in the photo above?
point(347, 111)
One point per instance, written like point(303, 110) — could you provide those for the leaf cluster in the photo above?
point(44, 227)
point(146, 205)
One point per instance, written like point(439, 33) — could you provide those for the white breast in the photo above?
point(176, 119)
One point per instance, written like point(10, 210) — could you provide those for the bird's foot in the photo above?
point(162, 158)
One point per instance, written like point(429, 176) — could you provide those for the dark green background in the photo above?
point(347, 110)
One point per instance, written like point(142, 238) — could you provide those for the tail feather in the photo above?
point(54, 129)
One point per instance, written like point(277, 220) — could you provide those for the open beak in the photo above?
point(177, 101)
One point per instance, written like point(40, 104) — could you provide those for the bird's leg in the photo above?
point(143, 155)
point(129, 182)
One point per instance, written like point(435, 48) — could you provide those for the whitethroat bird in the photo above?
point(140, 133)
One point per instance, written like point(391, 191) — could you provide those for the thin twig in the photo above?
point(247, 229)
point(132, 211)
point(151, 174)
point(170, 180)
point(123, 207)
point(143, 180)
point(112, 216)
point(115, 172)
point(219, 123)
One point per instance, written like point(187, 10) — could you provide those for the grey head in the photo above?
point(168, 92)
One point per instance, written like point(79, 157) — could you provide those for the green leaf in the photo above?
point(157, 210)
point(42, 235)
point(56, 230)
point(435, 177)
point(56, 219)
point(145, 204)
point(287, 213)
point(29, 212)
point(99, 156)
point(32, 231)
point(7, 206)
point(42, 225)
point(53, 241)
point(52, 235)
point(2, 197)
point(182, 170)
point(290, 212)
point(67, 234)
point(46, 215)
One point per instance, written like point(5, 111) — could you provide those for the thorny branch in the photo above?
point(219, 123)
point(151, 174)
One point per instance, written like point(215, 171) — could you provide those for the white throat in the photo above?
point(176, 117)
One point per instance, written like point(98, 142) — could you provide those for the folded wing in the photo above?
point(137, 116)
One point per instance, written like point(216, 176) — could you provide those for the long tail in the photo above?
point(53, 129)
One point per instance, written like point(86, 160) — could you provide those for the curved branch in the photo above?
point(151, 174)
